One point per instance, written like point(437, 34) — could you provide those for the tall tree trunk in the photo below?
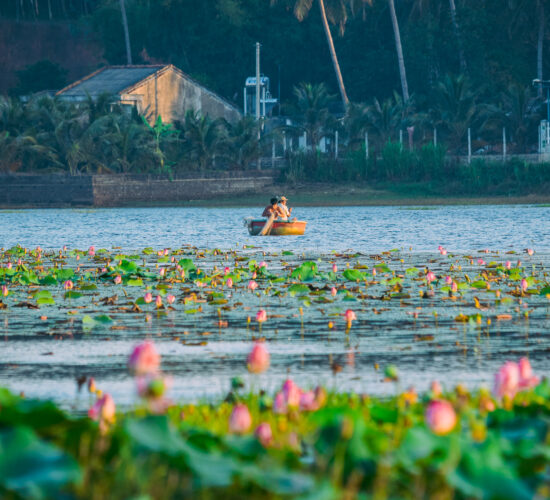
point(540, 43)
point(399, 49)
point(126, 33)
point(50, 9)
point(332, 50)
point(461, 57)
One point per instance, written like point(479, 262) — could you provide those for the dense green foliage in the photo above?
point(213, 40)
point(471, 73)
point(352, 446)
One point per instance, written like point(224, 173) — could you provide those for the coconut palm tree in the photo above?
point(399, 50)
point(243, 146)
point(204, 138)
point(334, 11)
point(311, 111)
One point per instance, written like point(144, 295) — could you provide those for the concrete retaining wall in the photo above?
point(124, 190)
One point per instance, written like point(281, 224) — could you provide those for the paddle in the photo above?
point(267, 226)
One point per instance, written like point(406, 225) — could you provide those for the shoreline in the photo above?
point(322, 195)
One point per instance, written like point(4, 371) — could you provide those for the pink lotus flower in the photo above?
point(158, 301)
point(148, 297)
point(258, 359)
point(226, 270)
point(170, 299)
point(530, 251)
point(91, 251)
point(182, 275)
point(440, 417)
point(252, 285)
point(160, 253)
point(264, 434)
point(144, 359)
point(524, 285)
point(291, 393)
point(240, 420)
point(518, 264)
point(68, 285)
point(10, 265)
point(103, 410)
point(262, 264)
point(91, 385)
point(308, 402)
point(334, 268)
point(481, 262)
point(430, 277)
point(166, 252)
point(526, 377)
point(454, 287)
point(118, 279)
point(486, 250)
point(442, 251)
point(254, 275)
point(261, 316)
point(162, 272)
point(5, 291)
point(350, 316)
point(19, 262)
point(279, 404)
point(333, 291)
point(64, 248)
point(448, 280)
point(229, 282)
point(373, 271)
point(507, 380)
point(508, 265)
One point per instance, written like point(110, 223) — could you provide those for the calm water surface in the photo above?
point(364, 229)
point(37, 357)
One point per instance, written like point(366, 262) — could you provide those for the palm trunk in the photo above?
point(399, 49)
point(461, 57)
point(540, 43)
point(332, 50)
point(126, 33)
point(50, 10)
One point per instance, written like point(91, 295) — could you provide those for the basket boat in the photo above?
point(279, 227)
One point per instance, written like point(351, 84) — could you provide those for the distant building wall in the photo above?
point(171, 94)
point(126, 190)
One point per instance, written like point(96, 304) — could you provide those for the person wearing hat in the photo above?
point(285, 211)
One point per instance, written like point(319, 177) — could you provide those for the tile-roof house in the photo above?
point(155, 90)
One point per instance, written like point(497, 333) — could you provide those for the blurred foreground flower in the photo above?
point(144, 359)
point(258, 359)
point(264, 434)
point(261, 316)
point(103, 411)
point(440, 417)
point(240, 420)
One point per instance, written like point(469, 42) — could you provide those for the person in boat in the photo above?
point(286, 212)
point(273, 209)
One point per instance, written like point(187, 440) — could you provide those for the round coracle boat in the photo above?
point(278, 227)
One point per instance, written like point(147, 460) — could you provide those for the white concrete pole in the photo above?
point(366, 145)
point(273, 153)
point(244, 98)
point(469, 145)
point(284, 142)
point(401, 138)
point(435, 137)
point(257, 81)
point(336, 144)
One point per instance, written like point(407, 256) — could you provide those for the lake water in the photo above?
point(363, 229)
point(43, 358)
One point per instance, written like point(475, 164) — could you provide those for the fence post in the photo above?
point(503, 144)
point(366, 145)
point(469, 145)
point(401, 138)
point(336, 144)
point(435, 137)
point(284, 142)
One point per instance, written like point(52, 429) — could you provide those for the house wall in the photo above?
point(171, 95)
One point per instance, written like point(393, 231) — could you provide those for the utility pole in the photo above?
point(259, 163)
point(257, 80)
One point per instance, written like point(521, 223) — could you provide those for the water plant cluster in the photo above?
point(294, 440)
point(300, 444)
